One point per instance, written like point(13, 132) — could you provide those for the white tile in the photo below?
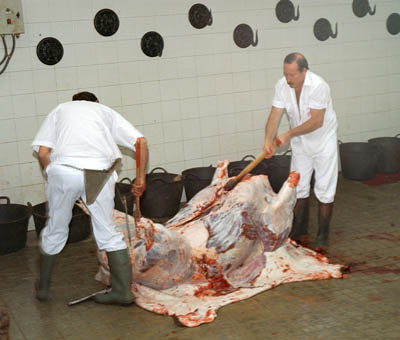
point(168, 69)
point(242, 101)
point(85, 53)
point(128, 72)
point(110, 95)
point(133, 114)
point(245, 141)
point(259, 118)
point(66, 78)
point(208, 106)
point(20, 60)
point(44, 80)
point(206, 86)
point(131, 94)
point(187, 87)
point(6, 105)
point(171, 110)
point(240, 62)
point(31, 173)
point(210, 146)
point(106, 52)
point(205, 65)
point(152, 113)
point(21, 82)
point(151, 92)
point(241, 81)
point(5, 84)
point(225, 103)
point(7, 131)
point(174, 152)
point(26, 128)
point(244, 121)
point(189, 108)
point(172, 131)
point(169, 89)
point(81, 10)
point(194, 163)
point(222, 43)
point(156, 155)
point(9, 177)
point(259, 100)
point(209, 126)
point(45, 102)
point(192, 149)
point(9, 154)
point(227, 124)
point(153, 133)
point(35, 194)
point(39, 10)
point(88, 76)
point(108, 74)
point(227, 144)
point(187, 67)
point(128, 50)
point(191, 128)
point(148, 70)
point(60, 10)
point(223, 83)
point(25, 152)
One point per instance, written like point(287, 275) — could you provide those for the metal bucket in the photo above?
point(359, 160)
point(389, 155)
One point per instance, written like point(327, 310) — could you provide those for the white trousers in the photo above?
point(65, 186)
point(325, 165)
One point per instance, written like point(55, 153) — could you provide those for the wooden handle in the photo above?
point(250, 166)
point(138, 213)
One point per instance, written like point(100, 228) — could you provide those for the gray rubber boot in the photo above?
point(46, 269)
point(121, 277)
point(299, 231)
point(324, 219)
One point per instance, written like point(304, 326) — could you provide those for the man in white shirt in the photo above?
point(77, 139)
point(312, 135)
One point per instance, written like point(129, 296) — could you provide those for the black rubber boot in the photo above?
point(46, 269)
point(299, 231)
point(324, 219)
point(121, 277)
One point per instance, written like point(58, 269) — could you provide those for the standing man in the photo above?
point(77, 140)
point(312, 135)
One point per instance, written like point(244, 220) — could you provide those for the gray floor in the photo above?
point(365, 305)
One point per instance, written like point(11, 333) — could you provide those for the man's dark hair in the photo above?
point(299, 59)
point(88, 96)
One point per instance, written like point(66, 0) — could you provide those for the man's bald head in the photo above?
point(299, 59)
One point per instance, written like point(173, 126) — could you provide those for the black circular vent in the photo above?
point(393, 23)
point(152, 44)
point(49, 51)
point(200, 16)
point(361, 8)
point(244, 37)
point(285, 12)
point(106, 22)
point(323, 29)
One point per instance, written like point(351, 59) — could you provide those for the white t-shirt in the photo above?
point(85, 135)
point(315, 94)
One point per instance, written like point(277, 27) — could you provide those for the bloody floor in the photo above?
point(365, 305)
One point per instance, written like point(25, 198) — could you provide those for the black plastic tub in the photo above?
point(79, 227)
point(14, 219)
point(389, 154)
point(124, 189)
point(196, 179)
point(359, 160)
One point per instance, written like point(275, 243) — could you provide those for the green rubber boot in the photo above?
point(46, 269)
point(121, 277)
point(299, 232)
point(324, 219)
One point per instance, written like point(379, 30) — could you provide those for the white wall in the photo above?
point(205, 99)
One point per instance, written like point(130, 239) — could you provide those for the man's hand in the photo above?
point(284, 138)
point(44, 157)
point(138, 189)
point(269, 148)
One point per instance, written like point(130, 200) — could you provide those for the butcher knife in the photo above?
point(75, 302)
point(235, 180)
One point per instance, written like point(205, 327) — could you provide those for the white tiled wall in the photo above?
point(205, 99)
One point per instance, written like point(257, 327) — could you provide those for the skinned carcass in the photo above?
point(223, 246)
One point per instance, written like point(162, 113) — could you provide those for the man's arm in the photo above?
point(44, 156)
point(270, 130)
point(314, 123)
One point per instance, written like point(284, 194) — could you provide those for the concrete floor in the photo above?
point(365, 305)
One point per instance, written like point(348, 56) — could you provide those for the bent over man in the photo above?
point(312, 135)
point(76, 140)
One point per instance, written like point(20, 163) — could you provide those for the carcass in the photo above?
point(222, 247)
